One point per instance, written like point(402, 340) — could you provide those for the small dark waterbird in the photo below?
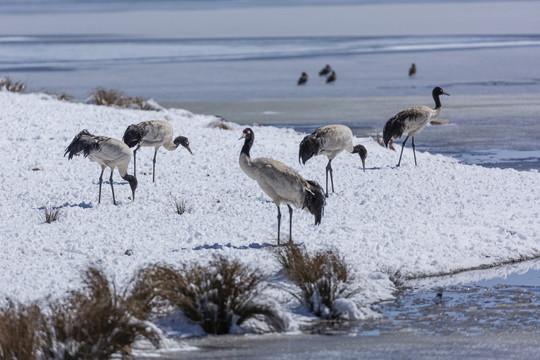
point(412, 121)
point(412, 69)
point(325, 71)
point(303, 79)
point(107, 152)
point(330, 140)
point(153, 133)
point(331, 78)
point(282, 184)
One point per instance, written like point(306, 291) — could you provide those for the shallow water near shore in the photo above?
point(492, 318)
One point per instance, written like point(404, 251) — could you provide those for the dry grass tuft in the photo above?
point(181, 207)
point(322, 278)
point(97, 322)
point(111, 97)
point(23, 332)
point(107, 97)
point(62, 96)
point(217, 296)
point(219, 124)
point(51, 214)
point(6, 84)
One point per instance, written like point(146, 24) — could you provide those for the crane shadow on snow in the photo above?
point(251, 246)
point(82, 205)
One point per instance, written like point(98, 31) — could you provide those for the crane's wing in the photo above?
point(402, 122)
point(280, 182)
point(84, 143)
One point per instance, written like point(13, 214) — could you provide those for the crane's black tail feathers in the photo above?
point(308, 148)
point(84, 142)
point(393, 129)
point(132, 135)
point(315, 200)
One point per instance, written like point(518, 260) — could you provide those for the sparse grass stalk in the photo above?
point(322, 278)
point(182, 207)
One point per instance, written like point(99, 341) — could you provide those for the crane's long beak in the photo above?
point(242, 137)
point(445, 93)
point(133, 195)
point(188, 149)
point(364, 165)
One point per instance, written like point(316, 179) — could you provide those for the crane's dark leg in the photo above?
point(154, 167)
point(278, 223)
point(112, 187)
point(329, 170)
point(402, 147)
point(290, 224)
point(414, 152)
point(100, 182)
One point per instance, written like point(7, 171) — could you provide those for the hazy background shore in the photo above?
point(241, 60)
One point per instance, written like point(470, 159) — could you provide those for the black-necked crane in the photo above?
point(107, 152)
point(412, 69)
point(325, 71)
point(303, 79)
point(411, 121)
point(331, 78)
point(330, 140)
point(282, 184)
point(153, 133)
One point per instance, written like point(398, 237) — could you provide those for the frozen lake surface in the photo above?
point(244, 67)
point(487, 319)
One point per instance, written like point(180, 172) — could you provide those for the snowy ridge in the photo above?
point(436, 217)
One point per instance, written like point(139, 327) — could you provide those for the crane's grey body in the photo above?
point(153, 133)
point(107, 152)
point(330, 140)
point(412, 121)
point(282, 184)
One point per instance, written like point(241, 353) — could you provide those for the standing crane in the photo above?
point(412, 69)
point(411, 121)
point(282, 184)
point(154, 133)
point(331, 78)
point(330, 140)
point(107, 152)
point(325, 71)
point(303, 79)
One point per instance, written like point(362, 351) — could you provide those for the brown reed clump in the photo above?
point(217, 296)
point(23, 332)
point(7, 84)
point(112, 97)
point(97, 322)
point(322, 278)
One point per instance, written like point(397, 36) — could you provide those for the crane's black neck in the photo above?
point(360, 150)
point(436, 98)
point(248, 143)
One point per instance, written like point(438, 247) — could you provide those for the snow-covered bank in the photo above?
point(432, 218)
